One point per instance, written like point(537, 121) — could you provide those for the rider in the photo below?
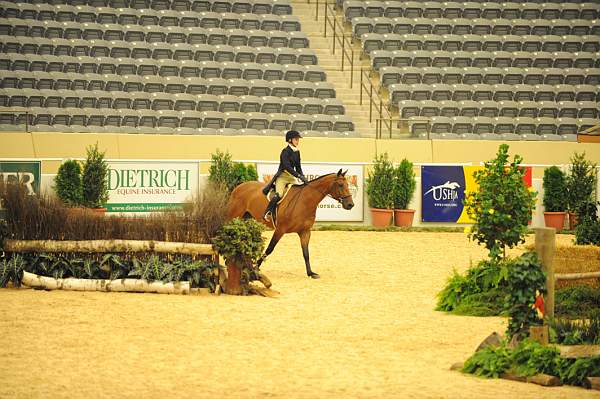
point(289, 169)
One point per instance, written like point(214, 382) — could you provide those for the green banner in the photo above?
point(27, 173)
point(145, 207)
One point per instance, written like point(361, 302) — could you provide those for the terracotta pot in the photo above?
point(572, 220)
point(404, 217)
point(381, 217)
point(555, 219)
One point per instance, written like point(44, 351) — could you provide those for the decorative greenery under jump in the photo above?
point(530, 358)
point(152, 267)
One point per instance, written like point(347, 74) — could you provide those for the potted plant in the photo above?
point(95, 179)
point(555, 197)
point(240, 243)
point(67, 183)
point(404, 188)
point(380, 191)
point(581, 186)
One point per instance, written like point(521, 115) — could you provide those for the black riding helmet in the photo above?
point(292, 134)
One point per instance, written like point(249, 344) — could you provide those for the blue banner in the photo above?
point(443, 192)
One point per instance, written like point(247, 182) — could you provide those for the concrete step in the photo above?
point(331, 63)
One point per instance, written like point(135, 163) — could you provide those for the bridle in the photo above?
point(326, 194)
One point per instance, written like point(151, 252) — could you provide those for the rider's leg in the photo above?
point(271, 206)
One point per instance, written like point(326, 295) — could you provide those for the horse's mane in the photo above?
point(320, 177)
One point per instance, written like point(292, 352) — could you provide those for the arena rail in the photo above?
point(545, 247)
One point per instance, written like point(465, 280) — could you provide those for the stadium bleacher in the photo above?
point(162, 66)
point(492, 70)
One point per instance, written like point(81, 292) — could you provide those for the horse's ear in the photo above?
point(344, 174)
point(339, 173)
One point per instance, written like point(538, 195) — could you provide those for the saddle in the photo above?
point(270, 195)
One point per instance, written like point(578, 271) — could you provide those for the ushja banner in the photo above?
point(139, 186)
point(443, 190)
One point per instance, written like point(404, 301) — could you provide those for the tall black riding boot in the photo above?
point(271, 208)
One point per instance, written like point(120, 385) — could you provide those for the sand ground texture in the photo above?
point(366, 329)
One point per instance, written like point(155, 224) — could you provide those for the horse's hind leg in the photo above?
point(304, 240)
point(277, 234)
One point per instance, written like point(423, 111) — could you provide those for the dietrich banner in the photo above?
point(443, 190)
point(150, 186)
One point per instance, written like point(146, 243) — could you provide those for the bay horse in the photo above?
point(295, 213)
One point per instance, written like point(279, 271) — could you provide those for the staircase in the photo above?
point(331, 63)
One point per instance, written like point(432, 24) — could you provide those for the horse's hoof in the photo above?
point(314, 275)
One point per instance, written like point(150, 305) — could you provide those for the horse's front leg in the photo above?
point(274, 240)
point(304, 240)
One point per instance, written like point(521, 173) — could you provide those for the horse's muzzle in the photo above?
point(348, 206)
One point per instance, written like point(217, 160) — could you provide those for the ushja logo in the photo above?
point(446, 191)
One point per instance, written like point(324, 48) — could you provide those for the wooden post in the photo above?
point(234, 275)
point(544, 246)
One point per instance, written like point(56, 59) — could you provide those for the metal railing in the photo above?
point(391, 121)
point(338, 38)
point(379, 110)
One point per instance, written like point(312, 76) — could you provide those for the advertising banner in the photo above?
point(443, 190)
point(26, 172)
point(150, 186)
point(329, 209)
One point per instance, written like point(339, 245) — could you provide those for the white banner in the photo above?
point(329, 210)
point(138, 186)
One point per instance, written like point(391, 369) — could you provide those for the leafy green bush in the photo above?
point(525, 278)
point(555, 190)
point(502, 206)
point(581, 182)
point(576, 302)
point(576, 332)
point(380, 183)
point(240, 241)
point(480, 292)
point(226, 173)
point(530, 358)
point(490, 362)
point(95, 178)
point(587, 231)
point(404, 184)
point(67, 183)
point(11, 270)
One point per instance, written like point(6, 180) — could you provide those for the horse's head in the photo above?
point(339, 190)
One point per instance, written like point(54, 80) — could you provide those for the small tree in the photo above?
point(555, 190)
point(221, 171)
point(581, 182)
point(67, 183)
point(380, 183)
point(95, 178)
point(240, 242)
point(502, 206)
point(404, 184)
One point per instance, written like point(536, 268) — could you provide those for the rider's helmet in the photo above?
point(292, 134)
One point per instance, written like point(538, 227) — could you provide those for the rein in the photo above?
point(326, 194)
